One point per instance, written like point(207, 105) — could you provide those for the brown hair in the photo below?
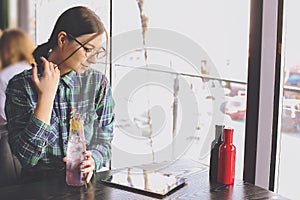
point(76, 21)
point(15, 46)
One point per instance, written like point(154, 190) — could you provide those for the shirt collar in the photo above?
point(69, 78)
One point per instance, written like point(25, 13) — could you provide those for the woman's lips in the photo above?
point(84, 66)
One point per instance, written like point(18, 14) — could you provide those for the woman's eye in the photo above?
point(88, 50)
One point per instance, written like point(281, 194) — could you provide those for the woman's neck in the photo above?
point(53, 57)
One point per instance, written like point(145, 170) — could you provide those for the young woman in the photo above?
point(39, 101)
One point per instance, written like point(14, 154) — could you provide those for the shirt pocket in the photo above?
point(89, 118)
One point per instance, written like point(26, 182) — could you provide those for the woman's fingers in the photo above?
point(53, 67)
point(87, 154)
point(47, 84)
point(89, 176)
point(64, 159)
point(88, 166)
point(89, 163)
point(49, 66)
point(35, 77)
point(46, 64)
point(89, 171)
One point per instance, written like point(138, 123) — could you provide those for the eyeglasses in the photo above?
point(93, 55)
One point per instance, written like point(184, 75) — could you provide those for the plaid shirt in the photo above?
point(41, 146)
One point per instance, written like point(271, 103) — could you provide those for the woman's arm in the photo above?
point(27, 134)
point(46, 87)
point(28, 110)
point(100, 146)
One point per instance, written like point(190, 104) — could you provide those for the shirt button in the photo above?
point(46, 133)
point(66, 142)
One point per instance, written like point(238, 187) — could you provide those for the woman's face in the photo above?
point(79, 61)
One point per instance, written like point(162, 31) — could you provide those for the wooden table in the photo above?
point(197, 187)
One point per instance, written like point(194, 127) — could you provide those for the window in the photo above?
point(191, 77)
point(174, 83)
point(289, 138)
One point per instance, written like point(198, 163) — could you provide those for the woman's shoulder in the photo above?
point(95, 74)
point(21, 78)
point(26, 74)
point(92, 71)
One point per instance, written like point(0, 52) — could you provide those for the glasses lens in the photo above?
point(96, 55)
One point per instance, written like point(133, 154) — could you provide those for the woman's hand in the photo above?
point(88, 166)
point(47, 86)
point(48, 83)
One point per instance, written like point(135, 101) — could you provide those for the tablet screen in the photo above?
point(145, 180)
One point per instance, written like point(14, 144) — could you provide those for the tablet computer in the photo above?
point(145, 181)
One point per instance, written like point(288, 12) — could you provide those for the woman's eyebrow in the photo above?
point(89, 40)
point(89, 44)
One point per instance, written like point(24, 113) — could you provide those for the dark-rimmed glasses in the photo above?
point(93, 55)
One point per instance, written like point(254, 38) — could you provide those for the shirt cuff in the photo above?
point(97, 158)
point(39, 131)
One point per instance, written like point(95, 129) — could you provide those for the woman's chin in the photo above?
point(82, 69)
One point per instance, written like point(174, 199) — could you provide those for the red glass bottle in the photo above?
point(227, 154)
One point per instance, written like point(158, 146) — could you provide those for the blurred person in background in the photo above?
point(16, 49)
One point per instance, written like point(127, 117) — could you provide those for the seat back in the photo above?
point(10, 167)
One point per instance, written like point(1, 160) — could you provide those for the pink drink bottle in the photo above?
point(75, 153)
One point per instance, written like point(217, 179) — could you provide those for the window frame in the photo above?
point(261, 140)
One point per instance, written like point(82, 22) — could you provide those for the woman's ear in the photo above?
point(61, 38)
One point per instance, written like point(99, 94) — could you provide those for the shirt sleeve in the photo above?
point(27, 134)
point(100, 146)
